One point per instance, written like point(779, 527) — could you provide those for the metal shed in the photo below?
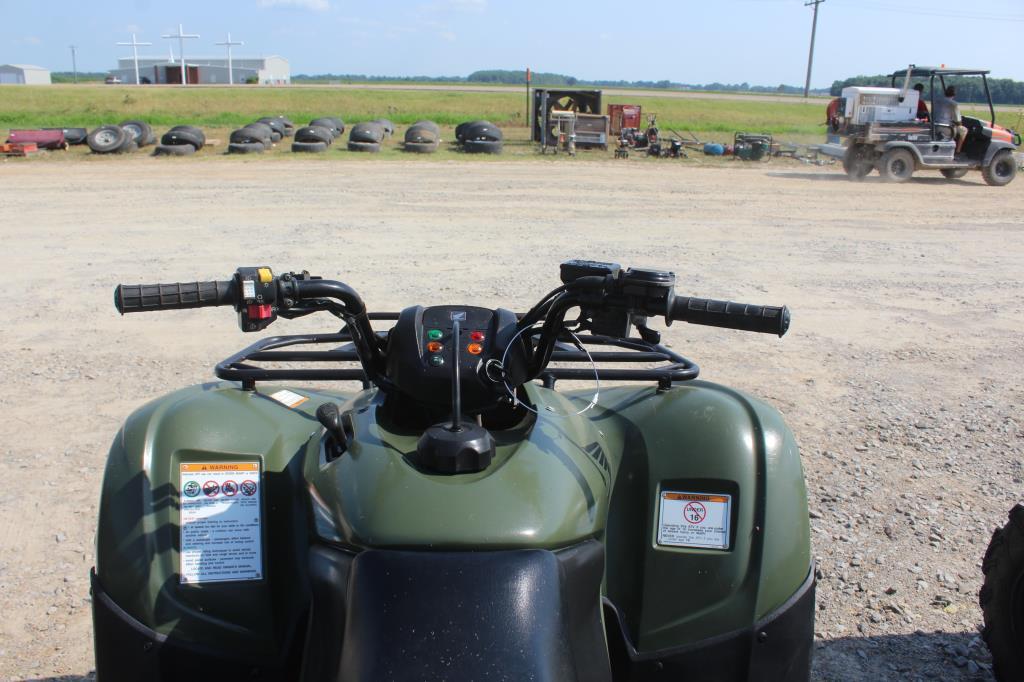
point(23, 74)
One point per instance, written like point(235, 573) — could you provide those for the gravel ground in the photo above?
point(901, 375)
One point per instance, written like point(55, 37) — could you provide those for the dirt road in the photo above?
point(901, 376)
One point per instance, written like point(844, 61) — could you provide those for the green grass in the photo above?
point(93, 105)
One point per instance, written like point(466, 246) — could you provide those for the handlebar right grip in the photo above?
point(138, 298)
point(742, 316)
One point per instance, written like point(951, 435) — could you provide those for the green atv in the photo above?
point(456, 517)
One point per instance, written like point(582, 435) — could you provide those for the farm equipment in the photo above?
point(752, 146)
point(592, 126)
point(456, 515)
point(623, 116)
point(882, 131)
point(565, 138)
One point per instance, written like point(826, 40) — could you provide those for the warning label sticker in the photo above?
point(694, 520)
point(220, 522)
point(288, 398)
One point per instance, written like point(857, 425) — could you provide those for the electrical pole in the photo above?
point(810, 56)
point(135, 51)
point(181, 36)
point(229, 44)
point(74, 61)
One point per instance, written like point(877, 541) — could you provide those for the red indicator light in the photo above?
point(260, 312)
point(476, 336)
point(435, 346)
point(475, 349)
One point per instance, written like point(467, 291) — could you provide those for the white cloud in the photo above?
point(447, 36)
point(315, 5)
point(32, 40)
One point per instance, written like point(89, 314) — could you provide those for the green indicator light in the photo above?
point(434, 334)
point(437, 360)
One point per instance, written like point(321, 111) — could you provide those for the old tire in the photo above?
point(460, 130)
point(246, 148)
point(249, 135)
point(369, 133)
point(1002, 598)
point(334, 125)
point(183, 137)
point(356, 146)
point(482, 146)
point(387, 126)
point(429, 125)
point(174, 150)
point(1002, 170)
point(418, 134)
point(953, 173)
point(314, 134)
point(857, 162)
point(896, 165)
point(309, 146)
point(192, 129)
point(420, 147)
point(140, 131)
point(129, 145)
point(106, 139)
point(482, 131)
point(275, 124)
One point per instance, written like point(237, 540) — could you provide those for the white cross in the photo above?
point(135, 52)
point(229, 44)
point(181, 36)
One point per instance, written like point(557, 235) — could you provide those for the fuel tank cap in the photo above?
point(463, 450)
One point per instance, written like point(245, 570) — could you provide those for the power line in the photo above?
point(810, 55)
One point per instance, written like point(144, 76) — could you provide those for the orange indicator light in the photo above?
point(435, 346)
point(475, 349)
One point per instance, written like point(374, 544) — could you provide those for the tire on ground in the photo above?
point(386, 125)
point(274, 124)
point(420, 147)
point(314, 134)
point(482, 130)
point(1002, 170)
point(429, 125)
point(371, 133)
point(329, 123)
point(129, 145)
point(106, 139)
point(174, 150)
point(482, 146)
point(246, 148)
point(140, 131)
point(194, 130)
point(896, 165)
point(248, 135)
point(183, 136)
point(309, 146)
point(1002, 595)
point(460, 130)
point(355, 146)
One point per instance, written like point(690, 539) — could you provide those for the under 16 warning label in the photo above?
point(694, 520)
point(220, 522)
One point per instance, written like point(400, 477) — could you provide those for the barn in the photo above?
point(23, 74)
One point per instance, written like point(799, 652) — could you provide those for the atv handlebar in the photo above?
point(740, 316)
point(137, 298)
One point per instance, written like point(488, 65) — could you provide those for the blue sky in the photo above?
point(763, 42)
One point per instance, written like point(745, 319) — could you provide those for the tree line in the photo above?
point(968, 88)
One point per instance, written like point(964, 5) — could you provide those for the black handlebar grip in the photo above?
point(138, 298)
point(742, 316)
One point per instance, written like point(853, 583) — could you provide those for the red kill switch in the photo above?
point(260, 312)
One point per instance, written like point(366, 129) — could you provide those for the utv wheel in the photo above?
point(897, 165)
point(309, 146)
point(953, 173)
point(1001, 171)
point(107, 139)
point(857, 162)
point(1002, 598)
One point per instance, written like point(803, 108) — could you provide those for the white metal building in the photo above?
point(273, 70)
point(23, 74)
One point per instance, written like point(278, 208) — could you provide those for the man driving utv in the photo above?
point(947, 113)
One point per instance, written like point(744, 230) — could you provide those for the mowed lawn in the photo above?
point(90, 105)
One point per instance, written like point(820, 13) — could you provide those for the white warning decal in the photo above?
point(288, 398)
point(694, 520)
point(220, 522)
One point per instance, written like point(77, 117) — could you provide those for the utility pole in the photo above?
point(229, 44)
point(135, 52)
point(74, 61)
point(181, 36)
point(810, 56)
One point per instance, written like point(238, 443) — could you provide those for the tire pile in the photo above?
point(318, 135)
point(124, 138)
point(422, 137)
point(180, 141)
point(479, 137)
point(366, 137)
point(257, 137)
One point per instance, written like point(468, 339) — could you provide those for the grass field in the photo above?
point(93, 105)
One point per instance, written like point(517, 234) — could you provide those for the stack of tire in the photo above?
point(254, 138)
point(180, 141)
point(388, 126)
point(279, 123)
point(120, 139)
point(422, 137)
point(479, 137)
point(318, 135)
point(366, 137)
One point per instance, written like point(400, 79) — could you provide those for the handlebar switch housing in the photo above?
point(257, 300)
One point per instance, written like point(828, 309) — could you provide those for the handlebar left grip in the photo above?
point(139, 298)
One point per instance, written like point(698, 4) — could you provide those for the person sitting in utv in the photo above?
point(947, 113)
point(922, 106)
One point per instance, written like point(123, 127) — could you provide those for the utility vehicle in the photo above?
point(881, 130)
point(456, 516)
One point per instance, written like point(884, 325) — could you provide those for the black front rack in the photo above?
point(673, 368)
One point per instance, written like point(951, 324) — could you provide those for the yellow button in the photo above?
point(266, 276)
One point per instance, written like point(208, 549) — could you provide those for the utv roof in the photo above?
point(926, 71)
